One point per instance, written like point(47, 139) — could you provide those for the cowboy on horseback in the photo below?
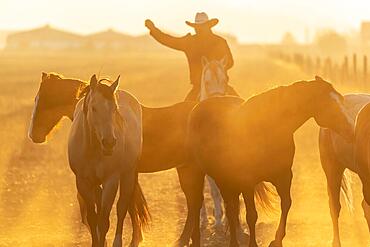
point(203, 43)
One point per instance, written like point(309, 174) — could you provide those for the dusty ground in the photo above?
point(38, 206)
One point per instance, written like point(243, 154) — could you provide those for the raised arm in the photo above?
point(178, 43)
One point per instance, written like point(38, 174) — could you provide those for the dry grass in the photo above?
point(37, 193)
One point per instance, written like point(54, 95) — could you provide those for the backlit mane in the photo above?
point(284, 100)
point(52, 79)
point(83, 91)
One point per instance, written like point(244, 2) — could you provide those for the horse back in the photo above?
point(210, 114)
point(164, 134)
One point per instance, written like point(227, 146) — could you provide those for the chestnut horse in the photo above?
point(241, 144)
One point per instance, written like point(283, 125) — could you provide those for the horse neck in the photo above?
point(288, 106)
point(297, 107)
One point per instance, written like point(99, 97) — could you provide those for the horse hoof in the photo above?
point(194, 245)
point(276, 244)
point(117, 241)
point(134, 245)
point(179, 243)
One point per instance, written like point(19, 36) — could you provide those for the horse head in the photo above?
point(214, 78)
point(55, 98)
point(101, 109)
point(329, 110)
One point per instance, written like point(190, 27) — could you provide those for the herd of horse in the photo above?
point(238, 144)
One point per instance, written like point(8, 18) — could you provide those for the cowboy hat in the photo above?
point(202, 19)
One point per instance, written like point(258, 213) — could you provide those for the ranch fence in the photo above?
point(350, 71)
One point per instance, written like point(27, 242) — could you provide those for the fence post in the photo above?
point(345, 72)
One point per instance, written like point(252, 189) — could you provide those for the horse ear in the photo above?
point(115, 84)
point(204, 61)
point(43, 76)
point(93, 81)
point(318, 78)
point(224, 61)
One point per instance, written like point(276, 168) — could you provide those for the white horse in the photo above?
point(213, 83)
point(336, 156)
point(104, 147)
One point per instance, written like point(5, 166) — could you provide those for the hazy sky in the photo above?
point(250, 21)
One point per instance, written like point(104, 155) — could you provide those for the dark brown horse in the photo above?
point(336, 156)
point(164, 132)
point(241, 144)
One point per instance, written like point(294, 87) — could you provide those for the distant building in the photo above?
point(109, 39)
point(47, 38)
point(44, 38)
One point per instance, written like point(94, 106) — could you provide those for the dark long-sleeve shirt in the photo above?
point(195, 46)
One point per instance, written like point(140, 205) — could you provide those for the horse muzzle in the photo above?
point(108, 145)
point(37, 138)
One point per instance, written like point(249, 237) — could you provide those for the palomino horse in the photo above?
point(241, 144)
point(56, 99)
point(362, 155)
point(104, 148)
point(336, 156)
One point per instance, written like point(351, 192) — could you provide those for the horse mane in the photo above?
point(85, 89)
point(55, 75)
point(282, 100)
point(280, 92)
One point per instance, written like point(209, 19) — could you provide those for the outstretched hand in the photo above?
point(149, 24)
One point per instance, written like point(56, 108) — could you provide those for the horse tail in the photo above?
point(139, 207)
point(265, 196)
point(346, 188)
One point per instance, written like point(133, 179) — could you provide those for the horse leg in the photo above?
point(83, 211)
point(366, 192)
point(334, 179)
point(203, 213)
point(283, 185)
point(231, 201)
point(108, 195)
point(98, 196)
point(127, 184)
point(192, 182)
point(217, 200)
point(334, 173)
point(86, 191)
point(366, 208)
point(251, 216)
